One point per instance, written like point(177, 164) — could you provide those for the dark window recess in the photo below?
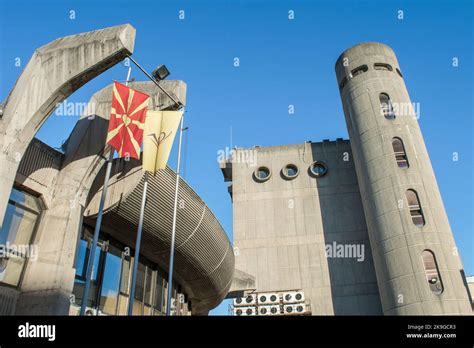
point(359, 70)
point(431, 272)
point(383, 66)
point(399, 72)
point(400, 154)
point(343, 83)
point(415, 208)
point(386, 106)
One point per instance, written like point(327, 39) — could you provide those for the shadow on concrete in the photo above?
point(353, 284)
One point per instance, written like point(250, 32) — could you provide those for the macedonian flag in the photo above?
point(127, 120)
point(160, 130)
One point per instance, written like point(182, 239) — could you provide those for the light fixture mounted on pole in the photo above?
point(160, 73)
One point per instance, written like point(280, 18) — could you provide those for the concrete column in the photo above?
point(363, 73)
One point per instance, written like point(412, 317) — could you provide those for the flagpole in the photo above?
point(98, 222)
point(173, 231)
point(131, 298)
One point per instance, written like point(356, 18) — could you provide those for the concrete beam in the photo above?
point(54, 72)
point(241, 283)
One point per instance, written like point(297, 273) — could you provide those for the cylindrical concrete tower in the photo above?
point(417, 265)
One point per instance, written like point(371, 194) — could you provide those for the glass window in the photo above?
point(359, 70)
point(290, 171)
point(415, 208)
point(262, 174)
point(21, 218)
point(431, 271)
point(400, 154)
point(383, 66)
point(386, 106)
point(111, 281)
point(318, 169)
point(148, 286)
point(159, 294)
point(139, 289)
point(126, 264)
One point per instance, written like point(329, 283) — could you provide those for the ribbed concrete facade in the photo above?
point(204, 259)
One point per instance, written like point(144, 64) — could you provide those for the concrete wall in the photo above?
point(397, 244)
point(281, 227)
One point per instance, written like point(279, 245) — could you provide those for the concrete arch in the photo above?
point(54, 71)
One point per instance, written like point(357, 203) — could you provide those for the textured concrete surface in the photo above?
point(396, 242)
point(48, 282)
point(54, 72)
point(281, 227)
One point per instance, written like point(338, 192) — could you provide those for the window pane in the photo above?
point(17, 232)
point(81, 258)
point(359, 70)
point(415, 208)
point(431, 272)
point(26, 199)
point(383, 66)
point(386, 106)
point(125, 276)
point(139, 289)
point(18, 226)
point(148, 283)
point(411, 198)
point(159, 293)
point(400, 155)
point(10, 270)
point(110, 284)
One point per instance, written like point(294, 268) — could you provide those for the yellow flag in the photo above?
point(160, 130)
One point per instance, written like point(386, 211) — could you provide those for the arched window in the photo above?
point(415, 208)
point(431, 271)
point(386, 106)
point(400, 154)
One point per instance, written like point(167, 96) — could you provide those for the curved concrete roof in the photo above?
point(204, 258)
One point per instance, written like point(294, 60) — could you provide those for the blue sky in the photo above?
point(282, 62)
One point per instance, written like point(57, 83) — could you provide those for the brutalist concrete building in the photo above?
point(355, 226)
point(48, 200)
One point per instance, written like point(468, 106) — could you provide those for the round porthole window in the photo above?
point(290, 171)
point(318, 169)
point(262, 174)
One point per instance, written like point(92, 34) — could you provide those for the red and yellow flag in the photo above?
point(127, 120)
